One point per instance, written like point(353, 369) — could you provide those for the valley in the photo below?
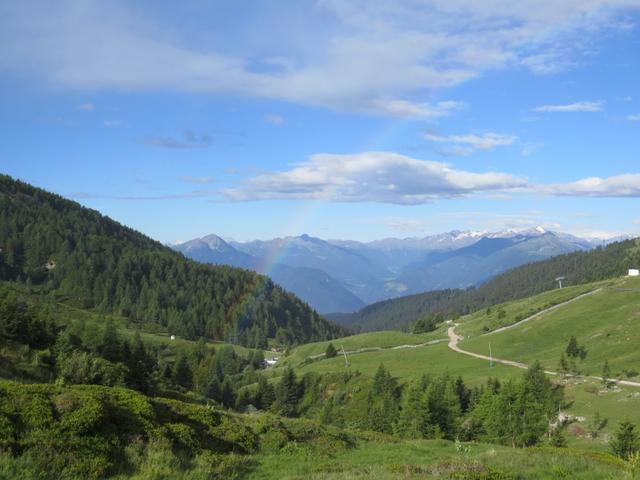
point(272, 383)
point(337, 276)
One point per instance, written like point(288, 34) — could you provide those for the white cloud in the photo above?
point(383, 58)
point(274, 119)
point(112, 123)
point(627, 185)
point(372, 177)
point(470, 143)
point(571, 107)
point(634, 118)
point(87, 107)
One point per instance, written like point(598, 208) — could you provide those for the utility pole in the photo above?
point(346, 359)
point(490, 357)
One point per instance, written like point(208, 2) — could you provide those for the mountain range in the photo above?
point(345, 275)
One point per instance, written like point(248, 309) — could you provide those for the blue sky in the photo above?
point(340, 119)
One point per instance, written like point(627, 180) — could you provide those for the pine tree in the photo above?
point(408, 425)
point(266, 394)
point(572, 348)
point(557, 438)
point(596, 424)
point(625, 442)
point(228, 394)
point(288, 394)
point(331, 351)
point(213, 389)
point(383, 383)
point(110, 347)
point(464, 394)
point(182, 374)
point(140, 365)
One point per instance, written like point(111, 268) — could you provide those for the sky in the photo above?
point(344, 119)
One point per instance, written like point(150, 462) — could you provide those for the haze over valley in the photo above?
point(343, 276)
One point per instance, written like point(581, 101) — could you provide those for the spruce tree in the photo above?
point(110, 347)
point(228, 394)
point(331, 351)
point(288, 394)
point(558, 438)
point(625, 441)
point(213, 389)
point(182, 374)
point(572, 348)
point(266, 394)
point(408, 425)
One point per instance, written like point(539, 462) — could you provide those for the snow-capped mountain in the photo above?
point(342, 275)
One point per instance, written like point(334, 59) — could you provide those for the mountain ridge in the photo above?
point(345, 275)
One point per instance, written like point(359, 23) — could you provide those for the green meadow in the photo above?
point(605, 323)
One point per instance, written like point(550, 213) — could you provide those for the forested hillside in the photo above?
point(577, 268)
point(64, 247)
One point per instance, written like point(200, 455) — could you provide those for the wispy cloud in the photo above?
point(274, 119)
point(372, 177)
point(407, 109)
point(634, 118)
point(200, 180)
point(188, 140)
point(467, 144)
point(530, 149)
point(380, 59)
point(87, 107)
point(571, 107)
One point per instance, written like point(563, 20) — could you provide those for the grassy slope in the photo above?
point(606, 323)
point(384, 339)
point(439, 459)
point(412, 363)
point(478, 322)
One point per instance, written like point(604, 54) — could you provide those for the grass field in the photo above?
point(490, 319)
point(606, 323)
point(412, 363)
point(437, 459)
point(386, 339)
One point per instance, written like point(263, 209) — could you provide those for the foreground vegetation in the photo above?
point(91, 432)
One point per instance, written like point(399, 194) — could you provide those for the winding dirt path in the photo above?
point(454, 338)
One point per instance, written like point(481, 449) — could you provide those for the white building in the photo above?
point(634, 272)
